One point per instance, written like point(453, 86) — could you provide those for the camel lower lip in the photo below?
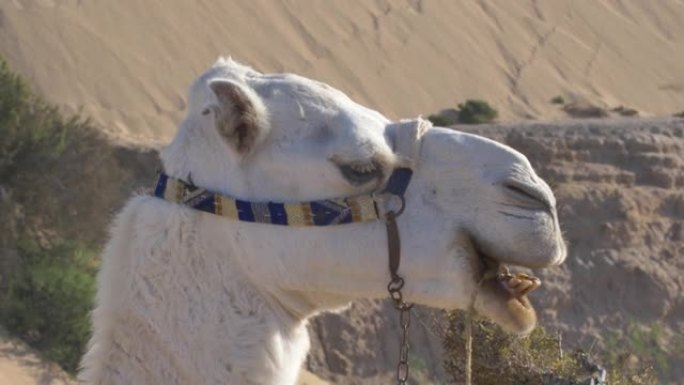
point(497, 289)
point(508, 283)
point(522, 300)
point(514, 313)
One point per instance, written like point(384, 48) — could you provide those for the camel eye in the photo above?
point(527, 193)
point(361, 173)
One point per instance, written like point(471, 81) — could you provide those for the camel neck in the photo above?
point(185, 313)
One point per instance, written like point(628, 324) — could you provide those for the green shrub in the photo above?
point(585, 110)
point(28, 125)
point(538, 359)
point(60, 173)
point(558, 100)
point(441, 120)
point(626, 111)
point(47, 271)
point(644, 344)
point(49, 299)
point(476, 112)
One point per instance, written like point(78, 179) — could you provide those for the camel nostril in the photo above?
point(528, 193)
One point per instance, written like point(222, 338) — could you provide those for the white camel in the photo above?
point(189, 297)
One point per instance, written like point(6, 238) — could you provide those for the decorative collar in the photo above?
point(360, 208)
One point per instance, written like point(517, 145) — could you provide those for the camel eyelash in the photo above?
point(364, 167)
point(361, 172)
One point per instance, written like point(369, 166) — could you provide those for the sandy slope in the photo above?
point(127, 63)
point(307, 378)
point(19, 365)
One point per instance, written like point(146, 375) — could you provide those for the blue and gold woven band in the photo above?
point(327, 212)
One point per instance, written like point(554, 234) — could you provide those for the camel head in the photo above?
point(473, 206)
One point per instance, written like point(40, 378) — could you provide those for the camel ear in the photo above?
point(405, 136)
point(240, 115)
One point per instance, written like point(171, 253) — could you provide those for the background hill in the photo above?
point(126, 64)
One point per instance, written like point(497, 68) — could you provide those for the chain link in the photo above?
point(403, 366)
point(394, 288)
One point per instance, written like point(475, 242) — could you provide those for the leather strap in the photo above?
point(406, 138)
point(393, 244)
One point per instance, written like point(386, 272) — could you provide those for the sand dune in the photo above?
point(127, 63)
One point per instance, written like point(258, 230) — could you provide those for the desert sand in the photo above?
point(126, 64)
point(21, 365)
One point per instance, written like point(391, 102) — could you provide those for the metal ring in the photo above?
point(401, 209)
point(403, 205)
point(396, 284)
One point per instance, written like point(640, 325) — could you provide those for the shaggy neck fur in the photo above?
point(177, 308)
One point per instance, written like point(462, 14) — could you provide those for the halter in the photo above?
point(406, 137)
point(328, 212)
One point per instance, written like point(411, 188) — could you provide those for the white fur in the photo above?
point(191, 298)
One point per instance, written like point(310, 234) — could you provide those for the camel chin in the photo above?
point(513, 314)
point(502, 294)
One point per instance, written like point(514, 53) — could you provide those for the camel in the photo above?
point(191, 297)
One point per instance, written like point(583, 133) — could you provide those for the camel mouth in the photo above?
point(515, 285)
point(503, 293)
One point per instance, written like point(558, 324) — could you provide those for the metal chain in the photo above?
point(394, 288)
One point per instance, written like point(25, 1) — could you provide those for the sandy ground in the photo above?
point(127, 63)
point(20, 365)
point(307, 378)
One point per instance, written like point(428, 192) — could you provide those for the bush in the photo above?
point(61, 174)
point(626, 111)
point(537, 359)
point(637, 343)
point(583, 111)
point(476, 112)
point(28, 125)
point(441, 120)
point(558, 100)
point(49, 299)
point(14, 99)
point(47, 269)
